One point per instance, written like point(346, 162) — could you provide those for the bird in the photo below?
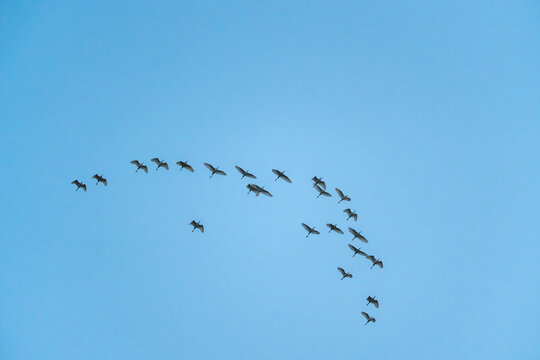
point(310, 230)
point(377, 262)
point(352, 214)
point(357, 235)
point(319, 181)
point(334, 228)
point(214, 170)
point(368, 318)
point(321, 191)
point(257, 190)
point(281, 174)
point(342, 196)
point(100, 179)
point(79, 185)
point(197, 225)
point(344, 273)
point(245, 173)
point(140, 166)
point(356, 251)
point(371, 300)
point(160, 163)
point(184, 165)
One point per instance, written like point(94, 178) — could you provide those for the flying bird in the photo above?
point(352, 214)
point(344, 273)
point(377, 262)
point(197, 225)
point(214, 170)
point(100, 179)
point(257, 190)
point(371, 300)
point(245, 173)
point(310, 230)
point(184, 165)
point(334, 228)
point(357, 235)
point(281, 174)
point(342, 196)
point(160, 163)
point(321, 191)
point(79, 185)
point(140, 166)
point(368, 318)
point(356, 251)
point(319, 181)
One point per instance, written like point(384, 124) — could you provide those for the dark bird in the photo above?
point(184, 165)
point(245, 173)
point(357, 235)
point(334, 228)
point(352, 214)
point(356, 251)
point(257, 190)
point(281, 174)
point(100, 179)
point(371, 300)
point(377, 262)
point(321, 191)
point(79, 185)
point(160, 163)
point(342, 196)
point(310, 230)
point(368, 318)
point(214, 170)
point(319, 181)
point(140, 166)
point(344, 273)
point(196, 225)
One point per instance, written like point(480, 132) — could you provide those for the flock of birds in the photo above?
point(318, 184)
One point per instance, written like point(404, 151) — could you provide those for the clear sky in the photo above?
point(426, 114)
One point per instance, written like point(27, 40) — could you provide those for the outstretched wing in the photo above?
point(318, 188)
point(330, 226)
point(327, 194)
point(76, 182)
point(340, 193)
point(342, 271)
point(104, 181)
point(323, 184)
point(353, 248)
point(165, 165)
point(362, 238)
point(315, 232)
point(306, 227)
point(189, 167)
point(240, 170)
point(250, 175)
point(95, 177)
point(355, 217)
point(338, 230)
point(155, 160)
point(201, 227)
point(145, 168)
point(286, 178)
point(380, 264)
point(265, 192)
point(193, 223)
point(371, 258)
point(83, 186)
point(366, 315)
point(210, 167)
point(348, 212)
point(221, 172)
point(354, 232)
point(376, 303)
point(277, 172)
point(136, 162)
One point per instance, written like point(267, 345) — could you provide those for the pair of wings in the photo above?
point(244, 172)
point(342, 196)
point(357, 235)
point(334, 228)
point(356, 250)
point(214, 170)
point(160, 163)
point(319, 182)
point(79, 184)
point(197, 226)
point(366, 315)
point(280, 174)
point(373, 301)
point(344, 273)
point(351, 214)
point(100, 179)
point(139, 165)
point(375, 261)
point(310, 229)
point(321, 191)
point(184, 165)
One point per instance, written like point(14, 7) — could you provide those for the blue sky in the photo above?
point(426, 114)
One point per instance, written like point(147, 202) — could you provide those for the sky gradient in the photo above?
point(427, 115)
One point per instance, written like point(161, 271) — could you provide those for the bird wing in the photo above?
point(342, 271)
point(277, 172)
point(318, 188)
point(370, 258)
point(210, 167)
point(362, 238)
point(145, 168)
point(221, 172)
point(346, 198)
point(340, 193)
point(165, 165)
point(323, 184)
point(84, 188)
point(189, 167)
point(242, 171)
point(376, 303)
point(315, 232)
point(380, 264)
point(338, 230)
point(353, 248)
point(202, 228)
point(250, 175)
point(348, 211)
point(95, 177)
point(76, 182)
point(286, 178)
point(354, 232)
point(355, 217)
point(136, 162)
point(155, 160)
point(104, 181)
point(315, 179)
point(330, 226)
point(360, 252)
point(193, 223)
point(366, 315)
point(306, 227)
point(265, 192)
point(327, 194)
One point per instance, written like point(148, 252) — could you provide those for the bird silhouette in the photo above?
point(214, 170)
point(342, 196)
point(319, 182)
point(310, 230)
point(160, 163)
point(197, 225)
point(352, 214)
point(371, 300)
point(184, 165)
point(344, 273)
point(377, 262)
point(245, 173)
point(281, 174)
point(368, 318)
point(79, 185)
point(100, 179)
point(334, 228)
point(356, 251)
point(321, 191)
point(357, 235)
point(140, 166)
point(257, 190)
